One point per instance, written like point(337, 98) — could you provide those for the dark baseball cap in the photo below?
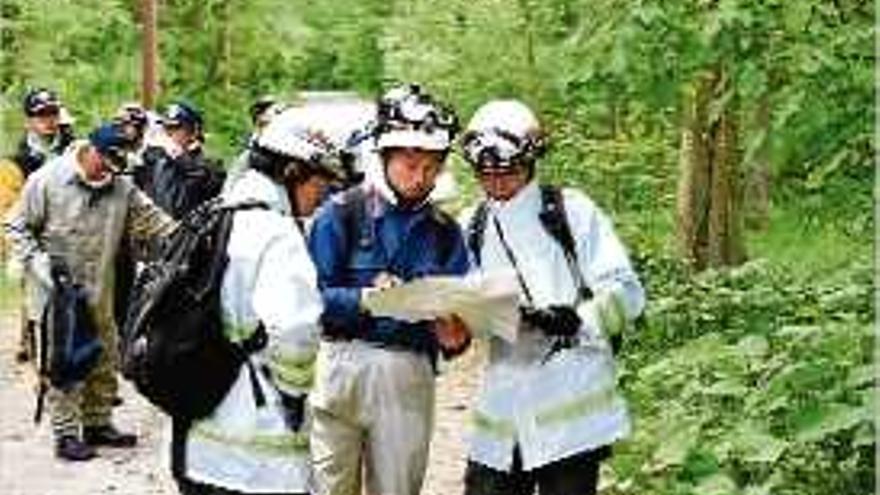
point(111, 141)
point(182, 114)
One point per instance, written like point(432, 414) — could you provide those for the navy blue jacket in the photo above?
point(406, 243)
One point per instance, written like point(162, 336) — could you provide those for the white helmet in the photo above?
point(302, 144)
point(503, 132)
point(410, 118)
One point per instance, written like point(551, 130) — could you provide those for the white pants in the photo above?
point(373, 414)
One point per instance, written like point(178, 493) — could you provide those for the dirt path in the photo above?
point(27, 465)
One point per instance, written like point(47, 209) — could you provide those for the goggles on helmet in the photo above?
point(497, 148)
point(408, 108)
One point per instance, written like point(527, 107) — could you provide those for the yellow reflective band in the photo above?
point(237, 333)
point(293, 371)
point(501, 429)
point(284, 443)
point(297, 378)
point(289, 360)
point(580, 407)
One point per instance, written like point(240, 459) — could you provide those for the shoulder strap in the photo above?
point(446, 230)
point(353, 210)
point(555, 221)
point(476, 230)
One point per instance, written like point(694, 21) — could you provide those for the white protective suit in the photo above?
point(270, 278)
point(553, 405)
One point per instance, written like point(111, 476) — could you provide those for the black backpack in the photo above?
point(176, 352)
point(69, 343)
point(555, 222)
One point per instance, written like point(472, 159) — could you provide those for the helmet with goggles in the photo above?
point(298, 148)
point(407, 117)
point(502, 134)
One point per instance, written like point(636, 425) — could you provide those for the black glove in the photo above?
point(294, 410)
point(555, 320)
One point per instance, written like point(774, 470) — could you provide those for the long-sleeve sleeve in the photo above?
point(286, 300)
point(145, 220)
point(618, 295)
point(328, 243)
point(23, 223)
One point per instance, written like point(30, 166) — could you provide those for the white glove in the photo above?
point(41, 269)
point(605, 312)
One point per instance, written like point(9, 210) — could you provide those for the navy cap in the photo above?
point(183, 114)
point(111, 142)
point(40, 101)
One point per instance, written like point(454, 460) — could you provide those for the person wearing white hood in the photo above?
point(373, 400)
point(256, 440)
point(548, 409)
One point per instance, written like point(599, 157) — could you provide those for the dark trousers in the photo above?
point(575, 475)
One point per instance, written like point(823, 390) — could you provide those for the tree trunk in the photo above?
point(707, 213)
point(758, 180)
point(150, 54)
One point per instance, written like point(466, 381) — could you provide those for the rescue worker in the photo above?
point(44, 138)
point(75, 209)
point(132, 119)
point(245, 446)
point(373, 400)
point(548, 409)
point(176, 173)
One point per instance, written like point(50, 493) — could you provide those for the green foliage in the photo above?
point(751, 381)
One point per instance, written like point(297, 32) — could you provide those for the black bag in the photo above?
point(176, 352)
point(69, 342)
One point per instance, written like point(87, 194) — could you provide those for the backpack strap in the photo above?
point(446, 230)
point(353, 211)
point(476, 230)
point(555, 221)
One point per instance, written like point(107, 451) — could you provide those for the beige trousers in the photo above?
point(372, 417)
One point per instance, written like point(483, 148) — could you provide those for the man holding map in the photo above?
point(373, 397)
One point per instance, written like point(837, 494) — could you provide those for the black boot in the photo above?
point(109, 436)
point(71, 448)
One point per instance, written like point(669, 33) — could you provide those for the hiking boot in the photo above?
point(108, 436)
point(71, 448)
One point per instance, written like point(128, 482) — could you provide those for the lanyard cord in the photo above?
point(510, 256)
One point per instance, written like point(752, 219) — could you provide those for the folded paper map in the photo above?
point(487, 302)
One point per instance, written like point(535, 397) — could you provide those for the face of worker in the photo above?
point(181, 135)
point(309, 194)
point(502, 183)
point(45, 123)
point(412, 172)
point(96, 167)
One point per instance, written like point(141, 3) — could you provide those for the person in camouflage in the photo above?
point(76, 209)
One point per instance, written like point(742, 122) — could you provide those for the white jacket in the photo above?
point(557, 406)
point(270, 278)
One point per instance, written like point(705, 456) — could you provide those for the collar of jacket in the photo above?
point(47, 147)
point(527, 200)
point(72, 172)
point(381, 199)
point(256, 186)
